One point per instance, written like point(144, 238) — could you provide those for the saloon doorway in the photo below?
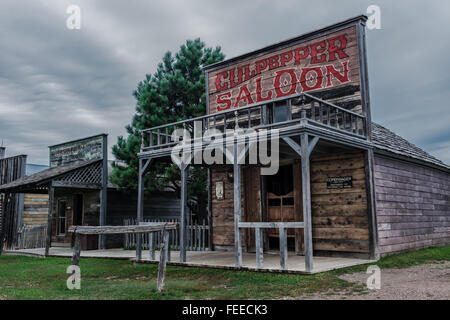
point(280, 200)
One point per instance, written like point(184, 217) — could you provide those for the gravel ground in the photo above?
point(424, 282)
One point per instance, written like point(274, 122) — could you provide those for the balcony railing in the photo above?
point(300, 107)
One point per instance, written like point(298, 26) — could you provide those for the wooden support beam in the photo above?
point(306, 188)
point(292, 225)
point(51, 195)
point(163, 256)
point(293, 145)
point(133, 229)
point(237, 208)
point(104, 192)
point(283, 248)
point(371, 203)
point(76, 249)
point(151, 246)
point(259, 247)
point(183, 213)
point(140, 213)
point(312, 144)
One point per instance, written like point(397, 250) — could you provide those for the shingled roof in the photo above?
point(385, 139)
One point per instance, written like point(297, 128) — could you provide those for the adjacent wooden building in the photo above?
point(345, 185)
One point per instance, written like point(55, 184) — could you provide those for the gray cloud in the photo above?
point(58, 84)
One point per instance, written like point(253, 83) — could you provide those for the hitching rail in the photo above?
point(148, 227)
point(281, 226)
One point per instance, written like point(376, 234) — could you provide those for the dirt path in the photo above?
point(424, 282)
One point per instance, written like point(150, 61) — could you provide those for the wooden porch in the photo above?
point(210, 259)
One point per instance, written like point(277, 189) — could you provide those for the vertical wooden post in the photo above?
point(140, 213)
point(164, 253)
point(283, 248)
point(183, 214)
point(104, 191)
point(306, 188)
point(371, 203)
point(151, 245)
point(237, 208)
point(51, 195)
point(259, 247)
point(76, 249)
point(3, 220)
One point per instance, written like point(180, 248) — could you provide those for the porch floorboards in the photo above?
point(212, 259)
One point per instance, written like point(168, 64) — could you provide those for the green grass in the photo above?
point(39, 278)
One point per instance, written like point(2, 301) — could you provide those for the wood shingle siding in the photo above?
point(413, 205)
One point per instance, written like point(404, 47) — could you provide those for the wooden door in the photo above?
point(284, 202)
point(252, 203)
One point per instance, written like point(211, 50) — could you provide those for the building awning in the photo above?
point(80, 175)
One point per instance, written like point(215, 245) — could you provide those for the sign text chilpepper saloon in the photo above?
point(326, 60)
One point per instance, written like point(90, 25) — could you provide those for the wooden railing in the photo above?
point(258, 116)
point(32, 237)
point(197, 235)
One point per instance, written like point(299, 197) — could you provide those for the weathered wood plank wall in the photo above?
point(35, 209)
point(339, 216)
point(413, 205)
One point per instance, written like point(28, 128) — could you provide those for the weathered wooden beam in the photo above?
point(76, 249)
point(283, 248)
point(151, 246)
point(371, 203)
point(292, 225)
point(104, 192)
point(312, 144)
point(306, 188)
point(164, 253)
point(294, 145)
point(140, 211)
point(183, 213)
point(237, 208)
point(51, 195)
point(259, 248)
point(137, 229)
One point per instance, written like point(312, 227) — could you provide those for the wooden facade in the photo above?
point(345, 185)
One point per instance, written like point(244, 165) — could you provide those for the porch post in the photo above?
point(183, 213)
point(3, 220)
point(104, 192)
point(237, 207)
point(51, 195)
point(140, 213)
point(306, 188)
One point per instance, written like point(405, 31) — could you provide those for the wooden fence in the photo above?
point(197, 235)
point(32, 237)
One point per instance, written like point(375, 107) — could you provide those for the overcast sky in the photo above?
point(58, 84)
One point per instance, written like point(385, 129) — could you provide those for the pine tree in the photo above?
point(176, 91)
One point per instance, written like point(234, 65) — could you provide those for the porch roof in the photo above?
point(85, 174)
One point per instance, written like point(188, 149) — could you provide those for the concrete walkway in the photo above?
point(213, 259)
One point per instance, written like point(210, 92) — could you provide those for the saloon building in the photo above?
point(345, 187)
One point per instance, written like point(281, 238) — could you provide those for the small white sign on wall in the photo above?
point(219, 190)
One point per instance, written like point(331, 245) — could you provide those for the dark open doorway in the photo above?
point(78, 210)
